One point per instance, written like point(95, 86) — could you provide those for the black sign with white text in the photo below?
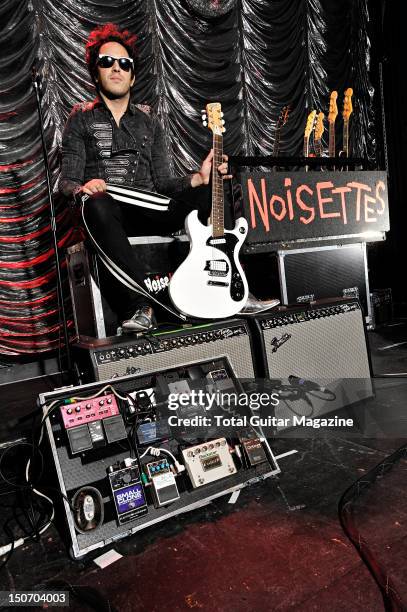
point(284, 206)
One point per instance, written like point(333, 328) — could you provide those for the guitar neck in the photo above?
point(306, 146)
point(331, 146)
point(217, 215)
point(277, 142)
point(318, 148)
point(346, 137)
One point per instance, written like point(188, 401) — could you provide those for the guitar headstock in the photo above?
point(319, 126)
point(283, 118)
point(333, 109)
point(310, 124)
point(347, 104)
point(213, 118)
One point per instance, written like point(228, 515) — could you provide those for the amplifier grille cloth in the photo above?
point(333, 346)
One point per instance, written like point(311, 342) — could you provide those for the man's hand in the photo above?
point(94, 186)
point(202, 177)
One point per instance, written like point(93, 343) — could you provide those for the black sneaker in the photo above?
point(143, 320)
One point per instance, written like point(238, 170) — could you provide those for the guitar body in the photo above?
point(210, 283)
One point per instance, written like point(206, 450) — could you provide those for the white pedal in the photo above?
point(208, 462)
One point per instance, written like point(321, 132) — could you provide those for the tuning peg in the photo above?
point(205, 123)
point(203, 110)
point(223, 122)
point(223, 129)
point(222, 114)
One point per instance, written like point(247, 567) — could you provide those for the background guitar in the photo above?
point(307, 133)
point(319, 130)
point(281, 121)
point(332, 115)
point(346, 113)
point(210, 283)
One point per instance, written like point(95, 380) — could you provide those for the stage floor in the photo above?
point(279, 547)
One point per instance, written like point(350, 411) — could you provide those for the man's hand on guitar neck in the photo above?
point(203, 176)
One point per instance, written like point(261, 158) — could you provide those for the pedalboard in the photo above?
point(164, 487)
point(208, 462)
point(76, 413)
point(127, 490)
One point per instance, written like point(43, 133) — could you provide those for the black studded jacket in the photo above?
point(132, 155)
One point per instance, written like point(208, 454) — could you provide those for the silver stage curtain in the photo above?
point(253, 56)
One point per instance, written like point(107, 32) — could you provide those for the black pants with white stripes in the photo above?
point(111, 222)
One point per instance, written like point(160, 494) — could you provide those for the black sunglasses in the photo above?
point(107, 61)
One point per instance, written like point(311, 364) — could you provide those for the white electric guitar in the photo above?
point(210, 283)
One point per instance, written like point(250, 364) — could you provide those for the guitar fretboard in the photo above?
point(331, 147)
point(346, 137)
point(217, 215)
point(305, 149)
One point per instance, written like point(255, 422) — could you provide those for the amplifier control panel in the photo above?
point(157, 344)
point(299, 316)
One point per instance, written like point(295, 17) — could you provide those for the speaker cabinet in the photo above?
point(126, 355)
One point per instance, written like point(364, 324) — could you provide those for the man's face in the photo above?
point(114, 82)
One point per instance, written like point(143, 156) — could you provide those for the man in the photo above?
point(112, 141)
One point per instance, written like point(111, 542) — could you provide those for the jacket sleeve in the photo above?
point(165, 182)
point(73, 155)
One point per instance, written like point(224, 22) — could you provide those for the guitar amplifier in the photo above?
point(325, 272)
point(320, 347)
point(126, 355)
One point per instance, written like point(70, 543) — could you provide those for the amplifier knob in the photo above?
point(121, 352)
point(78, 409)
point(88, 406)
point(210, 446)
point(101, 403)
point(203, 336)
point(69, 411)
point(174, 342)
point(190, 454)
point(109, 401)
point(204, 448)
point(197, 451)
point(139, 349)
point(131, 350)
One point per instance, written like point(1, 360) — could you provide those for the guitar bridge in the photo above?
point(218, 283)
